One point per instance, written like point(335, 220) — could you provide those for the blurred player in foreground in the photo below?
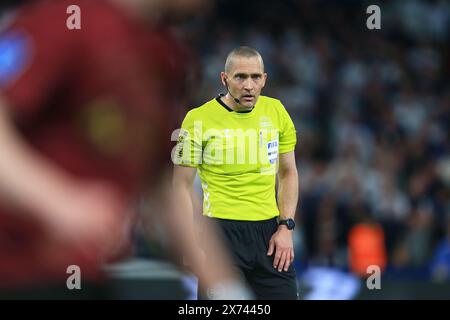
point(84, 131)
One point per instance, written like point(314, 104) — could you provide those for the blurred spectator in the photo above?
point(366, 244)
point(440, 263)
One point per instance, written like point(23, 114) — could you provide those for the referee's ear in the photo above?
point(264, 80)
point(223, 78)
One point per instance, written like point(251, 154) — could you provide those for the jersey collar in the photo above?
point(223, 104)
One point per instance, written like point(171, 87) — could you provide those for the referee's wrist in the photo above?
point(283, 227)
point(289, 223)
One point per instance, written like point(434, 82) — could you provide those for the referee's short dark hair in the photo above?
point(244, 51)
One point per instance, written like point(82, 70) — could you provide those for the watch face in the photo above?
point(290, 224)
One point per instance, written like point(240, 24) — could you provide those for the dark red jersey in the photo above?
point(97, 102)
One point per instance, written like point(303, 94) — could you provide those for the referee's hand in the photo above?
point(281, 243)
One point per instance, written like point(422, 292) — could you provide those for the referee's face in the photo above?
point(245, 80)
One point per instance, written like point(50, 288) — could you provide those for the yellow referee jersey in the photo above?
point(236, 154)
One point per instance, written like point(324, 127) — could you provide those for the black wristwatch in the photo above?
point(289, 223)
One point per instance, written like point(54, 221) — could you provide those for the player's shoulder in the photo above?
point(48, 20)
point(34, 14)
point(53, 13)
point(55, 10)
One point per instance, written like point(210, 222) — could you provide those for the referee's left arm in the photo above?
point(281, 242)
point(287, 186)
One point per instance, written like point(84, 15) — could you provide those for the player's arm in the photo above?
point(33, 184)
point(26, 179)
point(208, 259)
point(281, 242)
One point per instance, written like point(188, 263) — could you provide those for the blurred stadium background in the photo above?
point(372, 110)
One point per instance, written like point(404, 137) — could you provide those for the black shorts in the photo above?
point(248, 242)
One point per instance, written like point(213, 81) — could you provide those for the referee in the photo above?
point(239, 143)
